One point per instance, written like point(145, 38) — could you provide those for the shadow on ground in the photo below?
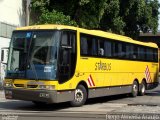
point(153, 93)
point(24, 105)
point(29, 106)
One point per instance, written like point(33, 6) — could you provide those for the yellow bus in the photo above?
point(57, 63)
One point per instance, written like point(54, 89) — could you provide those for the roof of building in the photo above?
point(150, 34)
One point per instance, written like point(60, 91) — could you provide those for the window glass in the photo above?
point(107, 48)
point(115, 49)
point(149, 54)
point(121, 50)
point(141, 53)
point(129, 51)
point(135, 52)
point(94, 47)
point(101, 48)
point(155, 55)
point(88, 45)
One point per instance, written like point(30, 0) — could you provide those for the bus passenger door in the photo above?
point(67, 56)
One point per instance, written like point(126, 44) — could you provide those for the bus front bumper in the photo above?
point(46, 96)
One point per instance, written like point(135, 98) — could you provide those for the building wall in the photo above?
point(12, 15)
point(12, 12)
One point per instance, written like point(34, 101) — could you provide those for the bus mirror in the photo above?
point(4, 55)
point(101, 52)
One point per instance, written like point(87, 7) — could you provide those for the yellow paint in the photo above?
point(122, 72)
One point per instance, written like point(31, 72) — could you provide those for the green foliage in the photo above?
point(111, 20)
point(127, 17)
point(55, 17)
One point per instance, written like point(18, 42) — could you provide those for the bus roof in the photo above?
point(90, 32)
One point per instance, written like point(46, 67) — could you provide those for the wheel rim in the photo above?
point(143, 88)
point(79, 95)
point(135, 88)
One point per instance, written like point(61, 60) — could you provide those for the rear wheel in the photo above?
point(80, 96)
point(134, 89)
point(142, 88)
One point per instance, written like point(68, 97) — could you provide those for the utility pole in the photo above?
point(27, 9)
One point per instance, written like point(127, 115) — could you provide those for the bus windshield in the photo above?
point(33, 55)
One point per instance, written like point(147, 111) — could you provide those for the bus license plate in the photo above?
point(8, 94)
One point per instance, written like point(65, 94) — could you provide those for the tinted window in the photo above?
point(141, 53)
point(105, 47)
point(149, 54)
point(88, 46)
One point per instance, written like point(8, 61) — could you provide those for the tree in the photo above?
point(45, 16)
point(127, 17)
point(56, 18)
point(139, 15)
point(111, 20)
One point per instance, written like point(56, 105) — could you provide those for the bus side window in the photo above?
point(135, 52)
point(101, 47)
point(84, 46)
point(94, 47)
point(88, 45)
point(155, 55)
point(107, 49)
point(149, 53)
point(129, 51)
point(121, 50)
point(141, 53)
point(115, 49)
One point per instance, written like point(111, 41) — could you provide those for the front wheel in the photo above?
point(80, 96)
point(134, 92)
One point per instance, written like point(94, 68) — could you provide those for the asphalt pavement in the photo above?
point(120, 107)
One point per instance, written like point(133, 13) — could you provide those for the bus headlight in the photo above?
point(47, 87)
point(8, 85)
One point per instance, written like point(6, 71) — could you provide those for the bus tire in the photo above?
point(134, 92)
point(80, 96)
point(142, 88)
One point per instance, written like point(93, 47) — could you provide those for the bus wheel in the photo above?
point(80, 96)
point(134, 89)
point(142, 88)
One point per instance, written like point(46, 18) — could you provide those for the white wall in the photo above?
point(4, 42)
point(11, 12)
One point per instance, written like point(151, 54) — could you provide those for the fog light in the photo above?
point(8, 85)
